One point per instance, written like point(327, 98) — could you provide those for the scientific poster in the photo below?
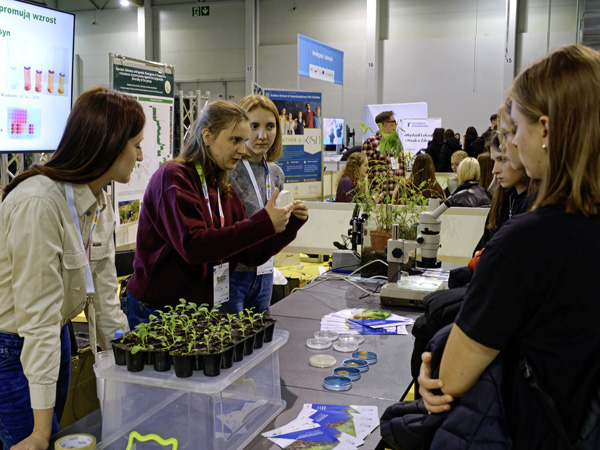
point(153, 88)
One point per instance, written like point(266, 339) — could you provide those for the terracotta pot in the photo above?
point(379, 239)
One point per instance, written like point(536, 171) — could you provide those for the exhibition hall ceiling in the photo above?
point(94, 5)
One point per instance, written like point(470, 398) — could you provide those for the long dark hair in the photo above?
point(470, 136)
point(498, 198)
point(97, 130)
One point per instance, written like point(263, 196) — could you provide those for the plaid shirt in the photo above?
point(382, 165)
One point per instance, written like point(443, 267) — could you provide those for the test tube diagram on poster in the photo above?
point(36, 67)
point(153, 88)
point(301, 122)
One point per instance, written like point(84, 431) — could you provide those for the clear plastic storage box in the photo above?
point(220, 413)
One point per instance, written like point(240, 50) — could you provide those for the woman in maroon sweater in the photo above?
point(193, 229)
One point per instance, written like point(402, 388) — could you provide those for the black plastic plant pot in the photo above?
point(238, 351)
point(227, 358)
point(162, 360)
point(249, 345)
point(211, 364)
point(259, 338)
point(119, 353)
point(149, 356)
point(184, 365)
point(198, 362)
point(269, 330)
point(135, 361)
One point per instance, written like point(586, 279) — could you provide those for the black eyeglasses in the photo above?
point(393, 122)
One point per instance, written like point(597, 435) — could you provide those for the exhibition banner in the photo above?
point(152, 85)
point(418, 132)
point(299, 115)
point(319, 61)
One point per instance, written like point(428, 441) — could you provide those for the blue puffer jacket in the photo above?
point(477, 421)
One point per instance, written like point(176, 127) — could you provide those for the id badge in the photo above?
point(267, 267)
point(92, 326)
point(221, 283)
point(395, 164)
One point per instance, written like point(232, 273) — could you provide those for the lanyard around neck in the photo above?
point(89, 281)
point(207, 199)
point(255, 184)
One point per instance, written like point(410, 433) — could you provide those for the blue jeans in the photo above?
point(16, 415)
point(249, 290)
point(137, 311)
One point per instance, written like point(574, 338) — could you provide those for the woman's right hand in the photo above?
point(279, 216)
point(33, 442)
point(434, 403)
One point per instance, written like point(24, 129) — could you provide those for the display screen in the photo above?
point(333, 131)
point(36, 76)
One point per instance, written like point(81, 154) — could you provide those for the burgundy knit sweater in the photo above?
point(178, 244)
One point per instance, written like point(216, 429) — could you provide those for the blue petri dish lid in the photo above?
point(337, 383)
point(350, 372)
point(360, 364)
point(369, 357)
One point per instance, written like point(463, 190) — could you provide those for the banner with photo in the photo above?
point(301, 123)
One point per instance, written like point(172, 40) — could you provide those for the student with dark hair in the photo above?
point(473, 144)
point(434, 147)
point(510, 198)
point(308, 116)
point(487, 135)
point(385, 167)
point(526, 307)
point(422, 180)
point(193, 229)
point(451, 145)
point(56, 251)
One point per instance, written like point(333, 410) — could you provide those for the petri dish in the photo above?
point(369, 357)
point(346, 347)
point(359, 364)
point(350, 372)
point(322, 361)
point(326, 334)
point(337, 383)
point(356, 338)
point(318, 343)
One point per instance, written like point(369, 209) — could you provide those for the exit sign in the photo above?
point(200, 11)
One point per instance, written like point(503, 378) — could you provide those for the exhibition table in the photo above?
point(300, 314)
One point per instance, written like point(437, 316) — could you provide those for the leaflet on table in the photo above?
point(365, 321)
point(318, 426)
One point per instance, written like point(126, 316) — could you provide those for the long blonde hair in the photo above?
point(253, 101)
point(565, 86)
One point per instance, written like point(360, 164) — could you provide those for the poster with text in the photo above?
point(418, 132)
point(154, 90)
point(301, 123)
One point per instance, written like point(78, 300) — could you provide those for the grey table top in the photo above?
point(300, 314)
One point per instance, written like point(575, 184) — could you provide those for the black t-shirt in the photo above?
point(535, 291)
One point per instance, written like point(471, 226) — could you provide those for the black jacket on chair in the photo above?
point(470, 195)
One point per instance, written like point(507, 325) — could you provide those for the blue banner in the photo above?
point(300, 122)
point(320, 61)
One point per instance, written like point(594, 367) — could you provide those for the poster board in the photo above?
point(418, 132)
point(302, 155)
point(152, 84)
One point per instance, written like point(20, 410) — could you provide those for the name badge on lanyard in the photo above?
point(221, 283)
point(267, 267)
point(207, 198)
point(89, 281)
